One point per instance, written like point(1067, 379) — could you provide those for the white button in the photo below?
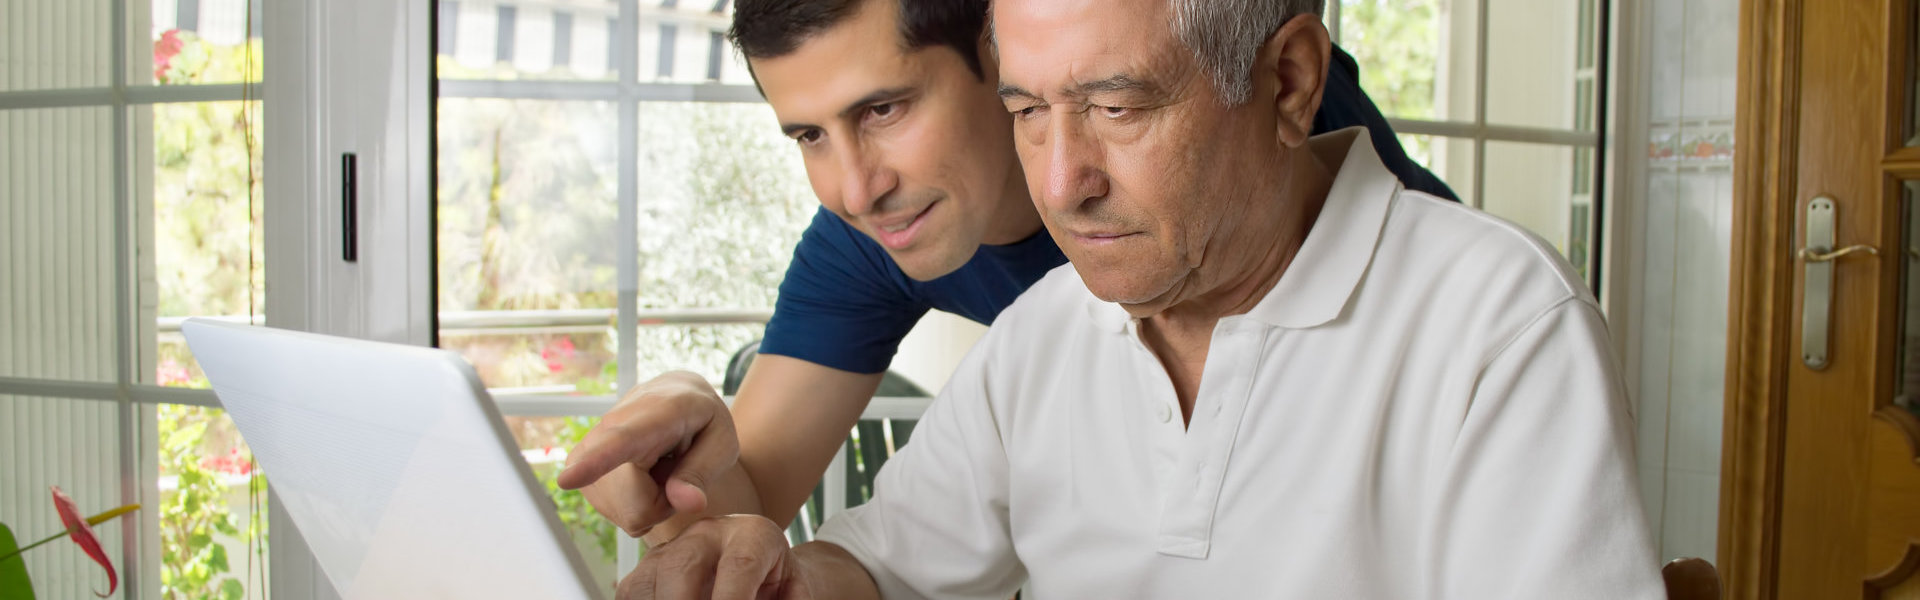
point(1166, 413)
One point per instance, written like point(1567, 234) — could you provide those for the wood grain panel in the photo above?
point(1759, 327)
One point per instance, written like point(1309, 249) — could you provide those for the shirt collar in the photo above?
point(1322, 277)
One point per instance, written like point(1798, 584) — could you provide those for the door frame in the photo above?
point(1759, 324)
point(1762, 307)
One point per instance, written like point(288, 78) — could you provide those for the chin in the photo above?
point(930, 263)
point(1129, 293)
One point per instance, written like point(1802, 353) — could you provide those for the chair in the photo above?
point(867, 450)
point(1691, 579)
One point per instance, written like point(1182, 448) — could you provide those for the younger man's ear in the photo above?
point(1293, 65)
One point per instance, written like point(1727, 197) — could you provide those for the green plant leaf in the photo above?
point(232, 590)
point(14, 584)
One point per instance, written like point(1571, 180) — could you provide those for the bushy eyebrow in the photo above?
point(1116, 83)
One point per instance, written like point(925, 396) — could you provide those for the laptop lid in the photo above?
point(393, 463)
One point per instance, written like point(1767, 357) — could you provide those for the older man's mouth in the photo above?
point(1101, 238)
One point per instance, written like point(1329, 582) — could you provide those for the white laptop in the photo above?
point(394, 465)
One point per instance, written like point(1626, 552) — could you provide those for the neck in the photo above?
point(1015, 219)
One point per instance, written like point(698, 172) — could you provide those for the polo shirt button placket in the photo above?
point(1166, 413)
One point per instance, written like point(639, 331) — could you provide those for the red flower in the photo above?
point(82, 534)
point(164, 49)
point(555, 352)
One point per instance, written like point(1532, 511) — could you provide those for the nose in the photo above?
point(1074, 171)
point(864, 180)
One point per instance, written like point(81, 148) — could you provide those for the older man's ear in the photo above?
point(1293, 64)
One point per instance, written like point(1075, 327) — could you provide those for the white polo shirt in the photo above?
point(1424, 406)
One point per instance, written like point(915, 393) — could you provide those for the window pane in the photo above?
point(1534, 62)
point(74, 444)
point(684, 42)
point(527, 240)
point(50, 44)
point(1449, 158)
point(212, 507)
point(1908, 357)
point(56, 245)
point(206, 244)
point(544, 442)
point(1416, 57)
point(1533, 185)
point(724, 199)
point(204, 41)
point(1913, 74)
point(527, 40)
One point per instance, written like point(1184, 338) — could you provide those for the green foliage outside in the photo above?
point(195, 517)
point(206, 248)
point(575, 512)
point(1397, 44)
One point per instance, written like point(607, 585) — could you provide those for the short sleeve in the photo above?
point(1541, 500)
point(840, 305)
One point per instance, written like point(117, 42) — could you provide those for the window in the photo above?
point(1497, 97)
point(130, 200)
point(600, 224)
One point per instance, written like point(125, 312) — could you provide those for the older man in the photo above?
point(1269, 371)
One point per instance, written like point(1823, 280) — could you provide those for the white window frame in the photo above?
point(129, 99)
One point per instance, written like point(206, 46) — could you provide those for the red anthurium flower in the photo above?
point(82, 534)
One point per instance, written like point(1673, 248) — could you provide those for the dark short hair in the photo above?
point(775, 28)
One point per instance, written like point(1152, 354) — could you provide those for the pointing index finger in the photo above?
point(641, 439)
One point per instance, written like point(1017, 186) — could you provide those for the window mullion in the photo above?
point(130, 542)
point(1480, 106)
point(627, 42)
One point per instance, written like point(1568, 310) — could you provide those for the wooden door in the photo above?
point(1820, 493)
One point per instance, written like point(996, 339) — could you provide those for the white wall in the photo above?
point(1685, 222)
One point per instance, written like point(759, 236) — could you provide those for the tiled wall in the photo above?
point(1688, 225)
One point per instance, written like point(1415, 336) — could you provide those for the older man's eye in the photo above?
point(1114, 112)
point(807, 137)
point(1024, 111)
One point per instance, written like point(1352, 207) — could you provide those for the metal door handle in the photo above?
point(1819, 256)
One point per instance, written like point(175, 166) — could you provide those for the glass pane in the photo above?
point(724, 199)
point(527, 40)
point(206, 223)
point(212, 507)
point(1449, 158)
point(544, 442)
point(685, 42)
point(1540, 63)
point(1416, 57)
point(51, 44)
point(1913, 73)
point(1907, 389)
point(204, 41)
point(527, 240)
point(56, 245)
point(1536, 186)
point(73, 444)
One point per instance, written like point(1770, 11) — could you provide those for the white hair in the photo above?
point(1225, 37)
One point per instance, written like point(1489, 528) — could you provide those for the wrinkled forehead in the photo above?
point(1046, 46)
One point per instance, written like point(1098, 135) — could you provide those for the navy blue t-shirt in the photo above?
point(846, 305)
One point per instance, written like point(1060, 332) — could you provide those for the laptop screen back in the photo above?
point(393, 463)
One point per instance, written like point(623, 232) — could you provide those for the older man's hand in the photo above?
point(736, 557)
point(656, 453)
